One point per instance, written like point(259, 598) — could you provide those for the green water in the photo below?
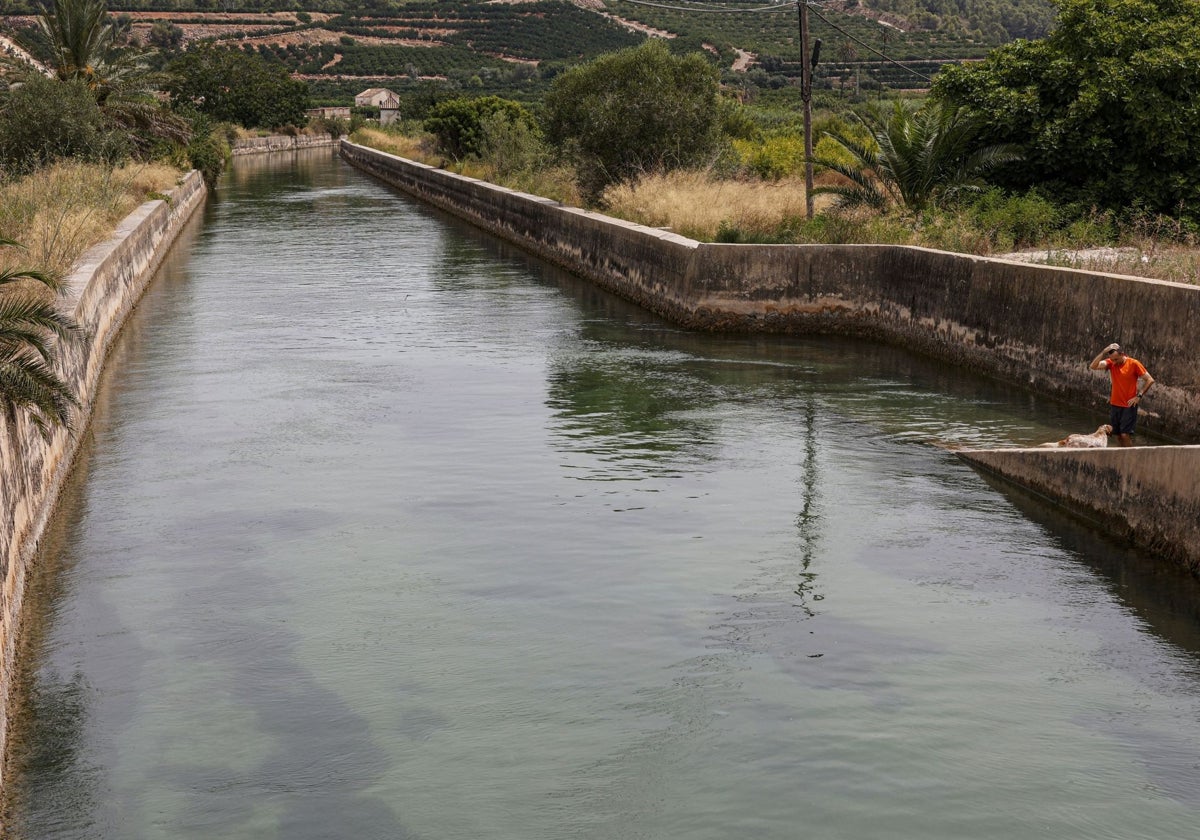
point(386, 530)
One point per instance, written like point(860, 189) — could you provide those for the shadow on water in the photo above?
point(59, 768)
point(1164, 596)
point(633, 394)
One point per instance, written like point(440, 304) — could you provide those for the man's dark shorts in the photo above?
point(1121, 419)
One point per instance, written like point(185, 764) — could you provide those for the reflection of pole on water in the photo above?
point(809, 518)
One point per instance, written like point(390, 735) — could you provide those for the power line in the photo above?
point(776, 7)
point(868, 46)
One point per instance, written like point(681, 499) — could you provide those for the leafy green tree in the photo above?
point(30, 331)
point(1106, 105)
point(458, 124)
point(633, 111)
point(914, 157)
point(232, 86)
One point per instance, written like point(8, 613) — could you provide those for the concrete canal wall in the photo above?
point(1149, 495)
point(100, 294)
point(281, 143)
point(1031, 325)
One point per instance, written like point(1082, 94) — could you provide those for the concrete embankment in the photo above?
point(282, 143)
point(1149, 495)
point(100, 294)
point(1034, 326)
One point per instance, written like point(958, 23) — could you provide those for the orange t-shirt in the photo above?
point(1124, 380)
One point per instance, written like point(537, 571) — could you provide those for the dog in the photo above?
point(1095, 440)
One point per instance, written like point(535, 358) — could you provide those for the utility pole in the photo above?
point(807, 65)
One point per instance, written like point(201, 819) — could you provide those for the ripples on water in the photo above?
point(389, 531)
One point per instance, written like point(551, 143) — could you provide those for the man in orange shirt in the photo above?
point(1130, 382)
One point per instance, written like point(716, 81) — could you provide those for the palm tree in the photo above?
point(85, 44)
point(30, 331)
point(89, 46)
point(913, 158)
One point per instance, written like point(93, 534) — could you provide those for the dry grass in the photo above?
point(1176, 263)
point(552, 182)
point(59, 212)
point(697, 205)
point(412, 148)
point(700, 205)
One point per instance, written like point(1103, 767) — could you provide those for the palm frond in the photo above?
point(30, 384)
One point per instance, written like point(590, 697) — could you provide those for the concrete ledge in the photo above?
point(281, 143)
point(1149, 495)
point(100, 294)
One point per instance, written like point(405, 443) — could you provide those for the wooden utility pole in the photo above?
point(806, 71)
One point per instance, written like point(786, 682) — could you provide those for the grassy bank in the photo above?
point(59, 212)
point(717, 207)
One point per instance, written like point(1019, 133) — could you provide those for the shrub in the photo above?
point(45, 120)
point(1016, 221)
point(458, 124)
point(633, 112)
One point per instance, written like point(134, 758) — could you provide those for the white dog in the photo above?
point(1096, 439)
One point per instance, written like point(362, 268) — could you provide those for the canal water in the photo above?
point(386, 530)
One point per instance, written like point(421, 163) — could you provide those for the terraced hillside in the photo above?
point(510, 46)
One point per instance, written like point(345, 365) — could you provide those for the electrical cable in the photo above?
point(777, 7)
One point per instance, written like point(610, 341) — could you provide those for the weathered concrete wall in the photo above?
point(1149, 495)
point(1032, 325)
point(100, 294)
point(281, 143)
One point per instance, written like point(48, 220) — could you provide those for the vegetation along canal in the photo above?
point(389, 531)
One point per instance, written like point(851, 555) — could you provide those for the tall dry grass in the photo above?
point(705, 206)
point(402, 145)
point(59, 212)
point(546, 180)
point(699, 205)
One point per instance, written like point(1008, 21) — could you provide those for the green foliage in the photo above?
point(512, 145)
point(165, 35)
point(996, 20)
point(237, 87)
point(774, 157)
point(85, 44)
point(634, 111)
point(209, 152)
point(458, 124)
point(335, 127)
point(31, 330)
point(45, 120)
point(916, 157)
point(1106, 104)
point(1016, 221)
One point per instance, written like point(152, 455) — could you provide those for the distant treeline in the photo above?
point(992, 20)
point(995, 21)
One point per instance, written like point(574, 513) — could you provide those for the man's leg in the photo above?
point(1123, 421)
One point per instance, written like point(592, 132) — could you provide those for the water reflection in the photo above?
point(808, 520)
point(335, 572)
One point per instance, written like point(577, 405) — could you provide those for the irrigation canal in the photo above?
point(386, 530)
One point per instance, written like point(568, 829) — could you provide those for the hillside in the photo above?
point(515, 46)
